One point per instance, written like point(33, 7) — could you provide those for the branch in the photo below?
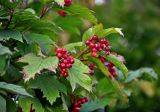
point(83, 52)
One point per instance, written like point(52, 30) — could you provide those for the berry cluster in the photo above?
point(109, 65)
point(98, 45)
point(65, 61)
point(66, 3)
point(91, 66)
point(78, 103)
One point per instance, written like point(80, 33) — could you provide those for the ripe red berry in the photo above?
point(58, 50)
point(94, 54)
point(94, 49)
point(62, 13)
point(95, 37)
point(71, 60)
point(59, 55)
point(62, 65)
point(67, 2)
point(86, 99)
point(102, 41)
point(92, 45)
point(107, 53)
point(65, 74)
point(108, 48)
point(88, 42)
point(76, 109)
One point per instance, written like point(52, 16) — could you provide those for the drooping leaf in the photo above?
point(4, 50)
point(43, 41)
point(7, 34)
point(95, 30)
point(26, 102)
point(94, 105)
point(77, 76)
point(36, 64)
point(109, 31)
point(14, 89)
point(50, 86)
point(82, 12)
point(60, 2)
point(141, 72)
point(118, 63)
point(72, 46)
point(2, 104)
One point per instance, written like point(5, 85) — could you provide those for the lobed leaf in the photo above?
point(36, 64)
point(50, 86)
point(77, 76)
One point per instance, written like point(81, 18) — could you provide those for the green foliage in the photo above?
point(77, 76)
point(36, 64)
point(30, 72)
point(49, 86)
point(14, 89)
point(2, 104)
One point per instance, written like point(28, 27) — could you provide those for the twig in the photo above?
point(10, 19)
point(83, 52)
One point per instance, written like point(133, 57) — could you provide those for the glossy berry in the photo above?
point(95, 37)
point(67, 2)
point(87, 42)
point(62, 13)
point(94, 54)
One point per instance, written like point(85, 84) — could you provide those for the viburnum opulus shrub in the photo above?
point(38, 74)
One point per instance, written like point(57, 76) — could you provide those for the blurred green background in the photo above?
point(140, 21)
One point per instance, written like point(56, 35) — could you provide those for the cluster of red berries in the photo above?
point(109, 65)
point(98, 45)
point(78, 103)
point(63, 13)
point(91, 67)
point(65, 61)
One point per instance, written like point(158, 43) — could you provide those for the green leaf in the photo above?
point(36, 64)
point(72, 46)
point(82, 12)
point(50, 86)
point(7, 34)
point(43, 41)
point(2, 104)
point(94, 105)
point(9, 4)
point(11, 105)
point(4, 50)
point(101, 66)
point(3, 64)
point(95, 30)
point(109, 31)
point(25, 104)
point(14, 89)
point(141, 72)
point(112, 58)
point(60, 2)
point(77, 76)
point(105, 87)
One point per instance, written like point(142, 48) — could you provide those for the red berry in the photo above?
point(58, 50)
point(102, 46)
point(91, 66)
point(62, 13)
point(62, 65)
point(86, 99)
point(65, 56)
point(92, 45)
point(76, 109)
point(95, 37)
point(91, 72)
point(107, 43)
point(68, 65)
point(59, 55)
point(88, 42)
point(107, 53)
point(64, 51)
point(72, 60)
point(94, 54)
point(102, 59)
point(67, 2)
point(108, 48)
point(94, 49)
point(65, 74)
point(102, 41)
